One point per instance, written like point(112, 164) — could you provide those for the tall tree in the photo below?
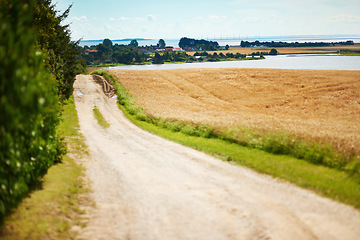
point(162, 43)
point(134, 43)
point(107, 42)
point(273, 52)
point(54, 39)
point(157, 59)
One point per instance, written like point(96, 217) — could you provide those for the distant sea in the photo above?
point(235, 41)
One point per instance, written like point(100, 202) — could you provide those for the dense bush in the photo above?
point(28, 105)
point(194, 43)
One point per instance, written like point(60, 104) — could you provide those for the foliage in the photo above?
point(54, 40)
point(273, 52)
point(126, 54)
point(28, 104)
point(134, 43)
point(107, 42)
point(349, 52)
point(107, 54)
point(158, 59)
point(81, 67)
point(162, 43)
point(197, 44)
point(53, 208)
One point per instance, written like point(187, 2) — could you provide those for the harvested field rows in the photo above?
point(313, 104)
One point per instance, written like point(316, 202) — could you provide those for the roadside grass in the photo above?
point(314, 166)
point(52, 210)
point(100, 118)
point(325, 181)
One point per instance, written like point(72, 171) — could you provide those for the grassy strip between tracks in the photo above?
point(100, 118)
point(52, 209)
point(334, 182)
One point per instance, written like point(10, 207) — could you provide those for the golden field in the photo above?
point(286, 50)
point(319, 105)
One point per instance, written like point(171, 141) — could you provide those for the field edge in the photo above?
point(338, 185)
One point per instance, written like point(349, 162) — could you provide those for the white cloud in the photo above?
point(214, 17)
point(139, 19)
point(151, 18)
point(217, 19)
point(79, 19)
point(112, 19)
point(345, 18)
point(250, 19)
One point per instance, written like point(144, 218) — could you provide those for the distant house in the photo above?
point(144, 50)
point(178, 50)
point(139, 50)
point(169, 49)
point(88, 51)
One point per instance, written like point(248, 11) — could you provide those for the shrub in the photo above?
point(273, 52)
point(28, 104)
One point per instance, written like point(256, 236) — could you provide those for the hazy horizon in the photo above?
point(341, 37)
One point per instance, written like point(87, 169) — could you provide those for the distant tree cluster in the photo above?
point(193, 44)
point(349, 51)
point(107, 52)
point(292, 44)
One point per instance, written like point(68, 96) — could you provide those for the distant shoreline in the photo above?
point(234, 41)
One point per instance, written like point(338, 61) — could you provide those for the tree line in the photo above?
point(292, 44)
point(194, 44)
point(108, 53)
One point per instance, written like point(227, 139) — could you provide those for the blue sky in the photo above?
point(118, 19)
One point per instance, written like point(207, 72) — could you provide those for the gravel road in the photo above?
point(147, 188)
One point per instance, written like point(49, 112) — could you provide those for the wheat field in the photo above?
point(323, 106)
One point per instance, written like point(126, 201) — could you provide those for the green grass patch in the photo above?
point(53, 207)
point(100, 118)
point(310, 165)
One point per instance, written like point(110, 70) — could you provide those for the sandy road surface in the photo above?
point(148, 188)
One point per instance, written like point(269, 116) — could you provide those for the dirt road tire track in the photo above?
point(146, 187)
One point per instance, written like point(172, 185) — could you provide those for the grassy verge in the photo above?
point(52, 209)
point(325, 181)
point(276, 154)
point(100, 118)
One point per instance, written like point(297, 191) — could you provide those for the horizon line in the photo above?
point(233, 37)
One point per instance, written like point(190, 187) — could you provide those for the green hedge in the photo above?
point(29, 107)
